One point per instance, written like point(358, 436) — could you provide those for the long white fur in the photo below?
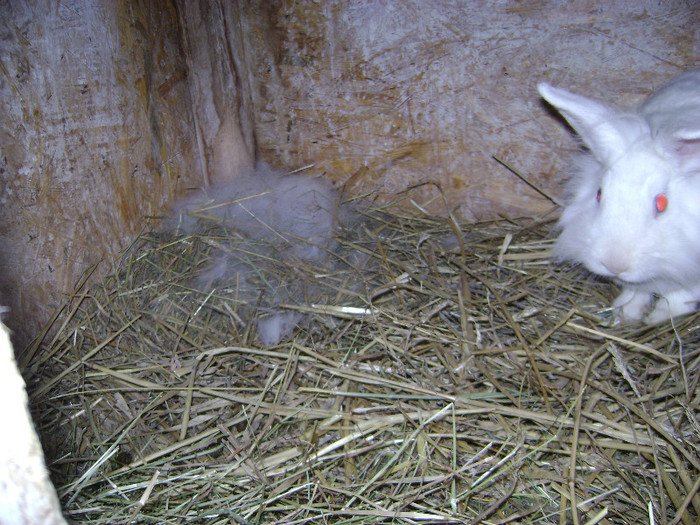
point(632, 157)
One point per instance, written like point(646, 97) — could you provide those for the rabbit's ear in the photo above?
point(606, 131)
point(688, 151)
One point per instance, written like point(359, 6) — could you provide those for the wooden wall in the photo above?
point(96, 135)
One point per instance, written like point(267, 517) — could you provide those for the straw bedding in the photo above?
point(433, 378)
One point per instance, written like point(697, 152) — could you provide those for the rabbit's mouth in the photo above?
point(657, 285)
point(635, 269)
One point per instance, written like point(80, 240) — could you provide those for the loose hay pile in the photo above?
point(434, 381)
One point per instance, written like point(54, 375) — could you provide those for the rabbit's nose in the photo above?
point(616, 265)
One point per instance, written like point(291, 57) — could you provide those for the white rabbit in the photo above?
point(633, 212)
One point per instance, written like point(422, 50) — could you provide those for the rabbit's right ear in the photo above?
point(606, 131)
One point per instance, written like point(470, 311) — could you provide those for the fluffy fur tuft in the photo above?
point(293, 217)
point(292, 210)
point(615, 222)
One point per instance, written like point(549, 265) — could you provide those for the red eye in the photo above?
point(597, 195)
point(661, 202)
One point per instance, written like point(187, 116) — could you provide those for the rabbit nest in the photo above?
point(440, 373)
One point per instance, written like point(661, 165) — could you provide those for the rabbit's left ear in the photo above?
point(688, 150)
point(606, 131)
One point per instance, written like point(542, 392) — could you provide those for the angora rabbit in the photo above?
point(633, 212)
